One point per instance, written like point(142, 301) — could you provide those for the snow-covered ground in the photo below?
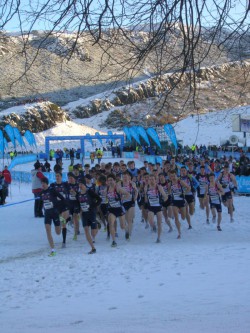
point(197, 284)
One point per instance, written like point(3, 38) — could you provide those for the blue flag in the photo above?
point(29, 138)
point(153, 134)
point(135, 135)
point(127, 133)
point(171, 133)
point(18, 136)
point(9, 130)
point(1, 142)
point(141, 131)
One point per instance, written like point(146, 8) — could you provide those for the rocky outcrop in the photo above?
point(155, 87)
point(117, 119)
point(63, 46)
point(36, 118)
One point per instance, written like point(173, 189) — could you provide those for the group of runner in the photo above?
point(109, 192)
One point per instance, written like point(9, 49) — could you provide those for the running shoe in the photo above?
point(190, 227)
point(92, 251)
point(52, 254)
point(78, 232)
point(114, 244)
point(232, 220)
point(158, 240)
point(142, 220)
point(127, 235)
point(207, 221)
point(219, 228)
point(63, 245)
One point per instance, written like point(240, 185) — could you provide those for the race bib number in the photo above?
point(84, 207)
point(48, 205)
point(154, 201)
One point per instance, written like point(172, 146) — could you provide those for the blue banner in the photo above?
point(30, 138)
point(134, 134)
point(9, 130)
point(171, 133)
point(243, 184)
point(152, 133)
point(127, 133)
point(1, 142)
point(141, 131)
point(18, 136)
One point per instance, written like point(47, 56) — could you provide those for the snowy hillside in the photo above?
point(68, 128)
point(207, 129)
point(204, 129)
point(210, 128)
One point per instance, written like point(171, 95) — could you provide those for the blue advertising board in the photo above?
point(243, 184)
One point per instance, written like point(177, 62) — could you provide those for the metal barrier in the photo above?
point(26, 177)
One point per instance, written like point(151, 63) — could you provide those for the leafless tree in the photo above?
point(161, 35)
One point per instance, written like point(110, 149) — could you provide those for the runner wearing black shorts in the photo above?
point(72, 203)
point(115, 208)
point(128, 202)
point(201, 189)
point(154, 194)
point(102, 210)
point(176, 189)
point(61, 187)
point(49, 198)
point(214, 190)
point(226, 179)
point(166, 205)
point(88, 201)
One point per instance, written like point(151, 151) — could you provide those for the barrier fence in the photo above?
point(25, 177)
point(219, 154)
